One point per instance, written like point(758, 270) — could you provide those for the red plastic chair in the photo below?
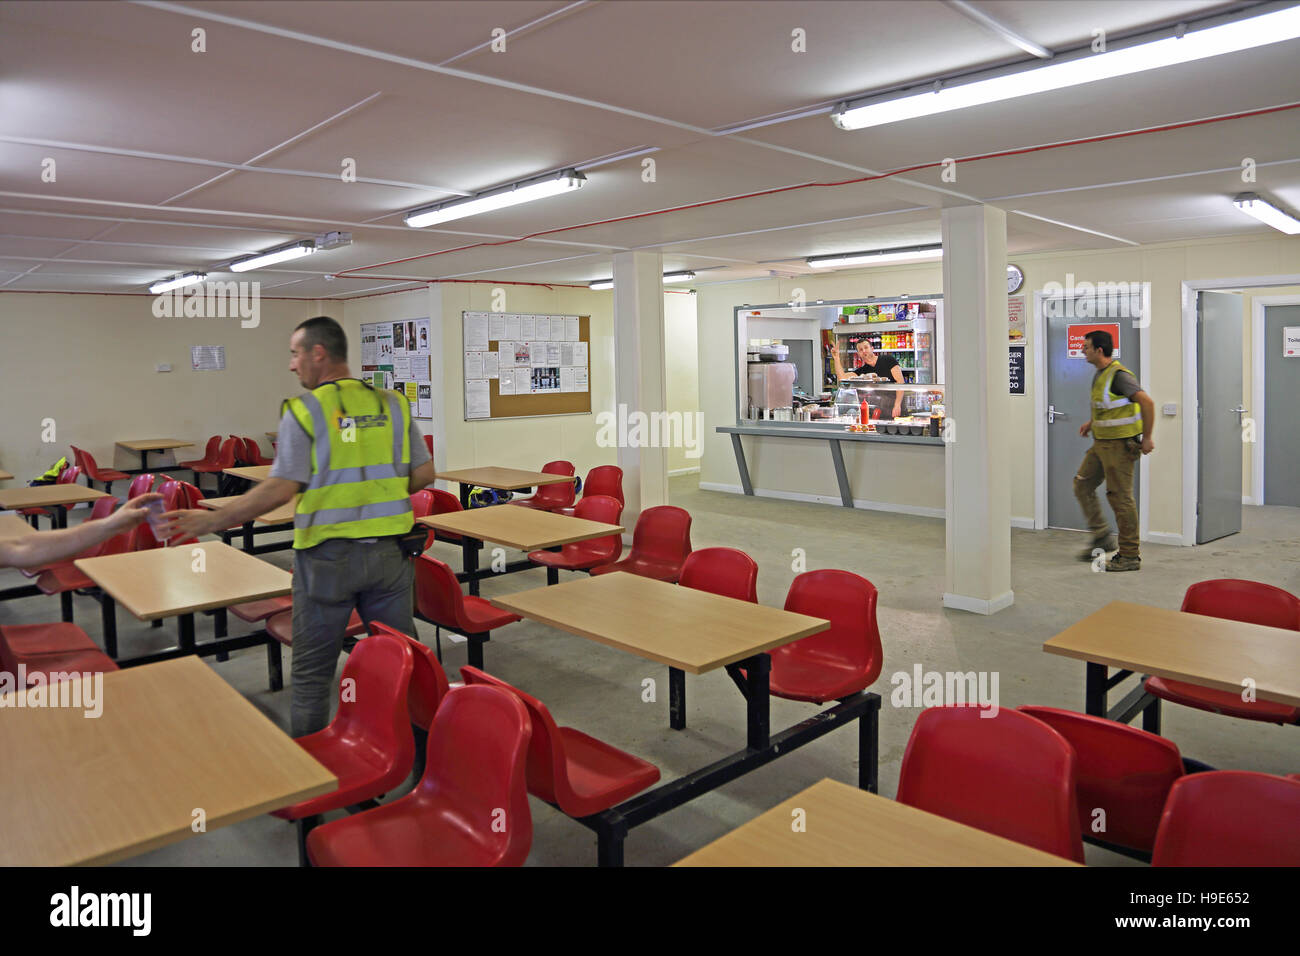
point(729, 572)
point(253, 453)
point(569, 769)
point(470, 807)
point(94, 473)
point(444, 502)
point(601, 480)
point(140, 485)
point(584, 555)
point(225, 459)
point(68, 476)
point(1230, 818)
point(550, 497)
point(1122, 770)
point(210, 455)
point(834, 663)
point(660, 543)
point(1009, 774)
point(429, 687)
point(279, 630)
point(102, 508)
point(439, 600)
point(368, 745)
point(1234, 600)
point(428, 443)
point(49, 649)
point(64, 578)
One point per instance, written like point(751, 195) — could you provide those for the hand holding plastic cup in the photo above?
point(154, 511)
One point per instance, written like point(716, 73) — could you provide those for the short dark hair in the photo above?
point(322, 330)
point(1101, 339)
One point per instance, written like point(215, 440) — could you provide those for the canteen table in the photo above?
point(524, 529)
point(173, 739)
point(5, 476)
point(250, 474)
point(146, 445)
point(501, 479)
point(1177, 645)
point(845, 826)
point(56, 497)
point(695, 632)
point(171, 582)
point(277, 519)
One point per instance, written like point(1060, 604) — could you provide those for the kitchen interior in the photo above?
point(799, 366)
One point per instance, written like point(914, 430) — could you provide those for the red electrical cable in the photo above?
point(844, 182)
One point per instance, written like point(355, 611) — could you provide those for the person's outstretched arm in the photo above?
point(46, 547)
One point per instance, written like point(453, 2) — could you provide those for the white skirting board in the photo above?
point(1026, 523)
point(827, 500)
point(684, 471)
point(960, 602)
point(1165, 537)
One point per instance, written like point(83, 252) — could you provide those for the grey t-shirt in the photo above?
point(293, 450)
point(1125, 383)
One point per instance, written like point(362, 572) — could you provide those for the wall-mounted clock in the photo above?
point(1015, 279)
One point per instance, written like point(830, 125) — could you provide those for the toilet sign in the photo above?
point(1075, 334)
point(1291, 341)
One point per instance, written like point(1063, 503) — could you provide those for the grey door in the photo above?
point(1281, 404)
point(1069, 391)
point(1219, 388)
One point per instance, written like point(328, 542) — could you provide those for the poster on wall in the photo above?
point(395, 355)
point(1291, 341)
point(1075, 334)
point(1017, 369)
point(1015, 318)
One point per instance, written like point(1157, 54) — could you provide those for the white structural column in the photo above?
point(978, 503)
point(639, 378)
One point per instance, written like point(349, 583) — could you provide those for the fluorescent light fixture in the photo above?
point(295, 250)
point(1072, 70)
point(1267, 213)
point(601, 284)
point(877, 257)
point(176, 282)
point(526, 190)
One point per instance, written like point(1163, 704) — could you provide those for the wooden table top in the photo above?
point(250, 472)
point(12, 526)
point(504, 479)
point(1209, 651)
point(524, 528)
point(4, 475)
point(45, 495)
point(846, 826)
point(154, 444)
point(166, 581)
point(692, 630)
point(278, 515)
point(172, 737)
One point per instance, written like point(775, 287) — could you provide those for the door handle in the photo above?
point(1053, 414)
point(1240, 411)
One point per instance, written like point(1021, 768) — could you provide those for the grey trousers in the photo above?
point(329, 582)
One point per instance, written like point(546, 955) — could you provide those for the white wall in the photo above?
point(682, 354)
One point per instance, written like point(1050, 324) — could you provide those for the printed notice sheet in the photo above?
point(476, 398)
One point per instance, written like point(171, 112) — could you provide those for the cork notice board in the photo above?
point(518, 365)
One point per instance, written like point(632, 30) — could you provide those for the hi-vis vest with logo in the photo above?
point(361, 463)
point(1113, 416)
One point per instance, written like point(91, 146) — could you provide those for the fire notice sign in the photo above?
point(1075, 334)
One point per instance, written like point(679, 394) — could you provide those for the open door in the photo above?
point(1220, 411)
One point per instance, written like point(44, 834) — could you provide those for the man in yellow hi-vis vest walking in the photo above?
point(352, 455)
point(1123, 417)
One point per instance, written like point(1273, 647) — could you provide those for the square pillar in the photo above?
point(978, 499)
point(639, 378)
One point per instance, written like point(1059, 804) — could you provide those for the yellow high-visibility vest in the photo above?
point(360, 463)
point(1113, 416)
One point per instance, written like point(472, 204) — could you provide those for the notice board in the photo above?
point(396, 355)
point(523, 364)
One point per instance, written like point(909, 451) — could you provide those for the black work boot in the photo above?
point(1106, 542)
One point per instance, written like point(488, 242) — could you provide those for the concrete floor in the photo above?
point(599, 690)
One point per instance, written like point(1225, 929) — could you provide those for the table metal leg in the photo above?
point(1151, 717)
point(144, 461)
point(841, 475)
point(60, 516)
point(869, 748)
point(187, 633)
point(758, 700)
point(464, 495)
point(676, 698)
point(739, 449)
point(65, 606)
point(1094, 691)
point(475, 650)
point(469, 560)
point(611, 831)
point(108, 620)
point(220, 625)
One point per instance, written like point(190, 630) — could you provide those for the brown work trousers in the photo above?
point(1111, 460)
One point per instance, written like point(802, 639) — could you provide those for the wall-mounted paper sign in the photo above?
point(1075, 334)
point(1291, 341)
point(208, 358)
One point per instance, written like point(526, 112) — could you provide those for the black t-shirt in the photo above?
point(884, 367)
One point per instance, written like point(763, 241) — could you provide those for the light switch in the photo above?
point(1170, 409)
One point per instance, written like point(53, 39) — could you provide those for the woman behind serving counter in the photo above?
point(868, 361)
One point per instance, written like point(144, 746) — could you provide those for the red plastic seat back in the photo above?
point(211, 450)
point(1121, 770)
point(1248, 601)
point(140, 485)
point(1009, 774)
point(68, 476)
point(1230, 818)
point(242, 455)
point(422, 502)
point(848, 601)
point(437, 592)
point(557, 495)
point(546, 763)
point(254, 451)
point(606, 510)
point(102, 508)
point(663, 533)
point(87, 463)
point(173, 495)
point(374, 714)
point(604, 480)
point(428, 680)
point(726, 571)
point(477, 755)
point(428, 443)
point(444, 502)
point(226, 456)
point(191, 495)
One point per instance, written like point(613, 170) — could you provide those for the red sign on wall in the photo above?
point(1075, 334)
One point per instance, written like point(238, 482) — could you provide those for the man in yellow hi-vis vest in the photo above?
point(1123, 417)
point(352, 455)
